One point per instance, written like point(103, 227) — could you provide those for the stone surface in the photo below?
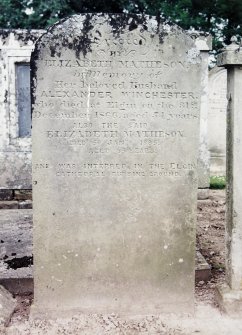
point(16, 245)
point(204, 159)
point(115, 145)
point(202, 268)
point(231, 58)
point(7, 306)
point(217, 121)
point(230, 301)
point(19, 280)
point(204, 44)
point(15, 151)
point(203, 194)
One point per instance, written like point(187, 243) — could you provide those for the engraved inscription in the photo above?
point(118, 106)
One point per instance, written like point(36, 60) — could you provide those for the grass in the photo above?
point(217, 182)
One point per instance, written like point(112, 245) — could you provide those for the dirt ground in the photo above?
point(208, 320)
point(211, 242)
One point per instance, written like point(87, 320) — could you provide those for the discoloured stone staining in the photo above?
point(115, 137)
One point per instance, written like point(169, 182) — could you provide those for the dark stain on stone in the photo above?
point(80, 43)
point(6, 96)
point(160, 28)
point(133, 25)
point(4, 35)
point(52, 50)
point(17, 263)
point(24, 35)
point(131, 21)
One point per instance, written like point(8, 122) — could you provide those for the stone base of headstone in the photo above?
point(137, 308)
point(203, 194)
point(7, 306)
point(229, 301)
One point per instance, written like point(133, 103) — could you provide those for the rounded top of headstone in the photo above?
point(82, 32)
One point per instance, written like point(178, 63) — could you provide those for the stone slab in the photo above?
point(202, 268)
point(16, 245)
point(217, 120)
point(230, 57)
point(15, 170)
point(203, 194)
point(229, 301)
point(20, 280)
point(7, 306)
point(115, 146)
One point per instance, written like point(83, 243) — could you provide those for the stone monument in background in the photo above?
point(217, 121)
point(116, 102)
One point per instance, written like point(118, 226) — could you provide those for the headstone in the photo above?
point(204, 44)
point(115, 146)
point(217, 120)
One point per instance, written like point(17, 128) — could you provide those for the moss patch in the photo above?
point(217, 182)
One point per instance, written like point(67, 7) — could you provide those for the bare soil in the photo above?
point(208, 320)
point(211, 242)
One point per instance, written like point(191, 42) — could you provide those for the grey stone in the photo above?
point(203, 194)
point(16, 238)
point(231, 56)
point(229, 301)
point(7, 306)
point(204, 157)
point(16, 244)
point(202, 268)
point(231, 296)
point(204, 44)
point(115, 142)
point(15, 151)
point(217, 121)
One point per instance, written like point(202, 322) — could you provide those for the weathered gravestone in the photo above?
point(115, 141)
point(217, 120)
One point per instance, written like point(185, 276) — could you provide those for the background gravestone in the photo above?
point(115, 146)
point(217, 120)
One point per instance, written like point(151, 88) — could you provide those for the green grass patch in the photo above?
point(217, 182)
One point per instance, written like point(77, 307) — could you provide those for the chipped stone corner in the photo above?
point(7, 306)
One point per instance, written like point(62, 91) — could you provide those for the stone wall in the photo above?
point(15, 129)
